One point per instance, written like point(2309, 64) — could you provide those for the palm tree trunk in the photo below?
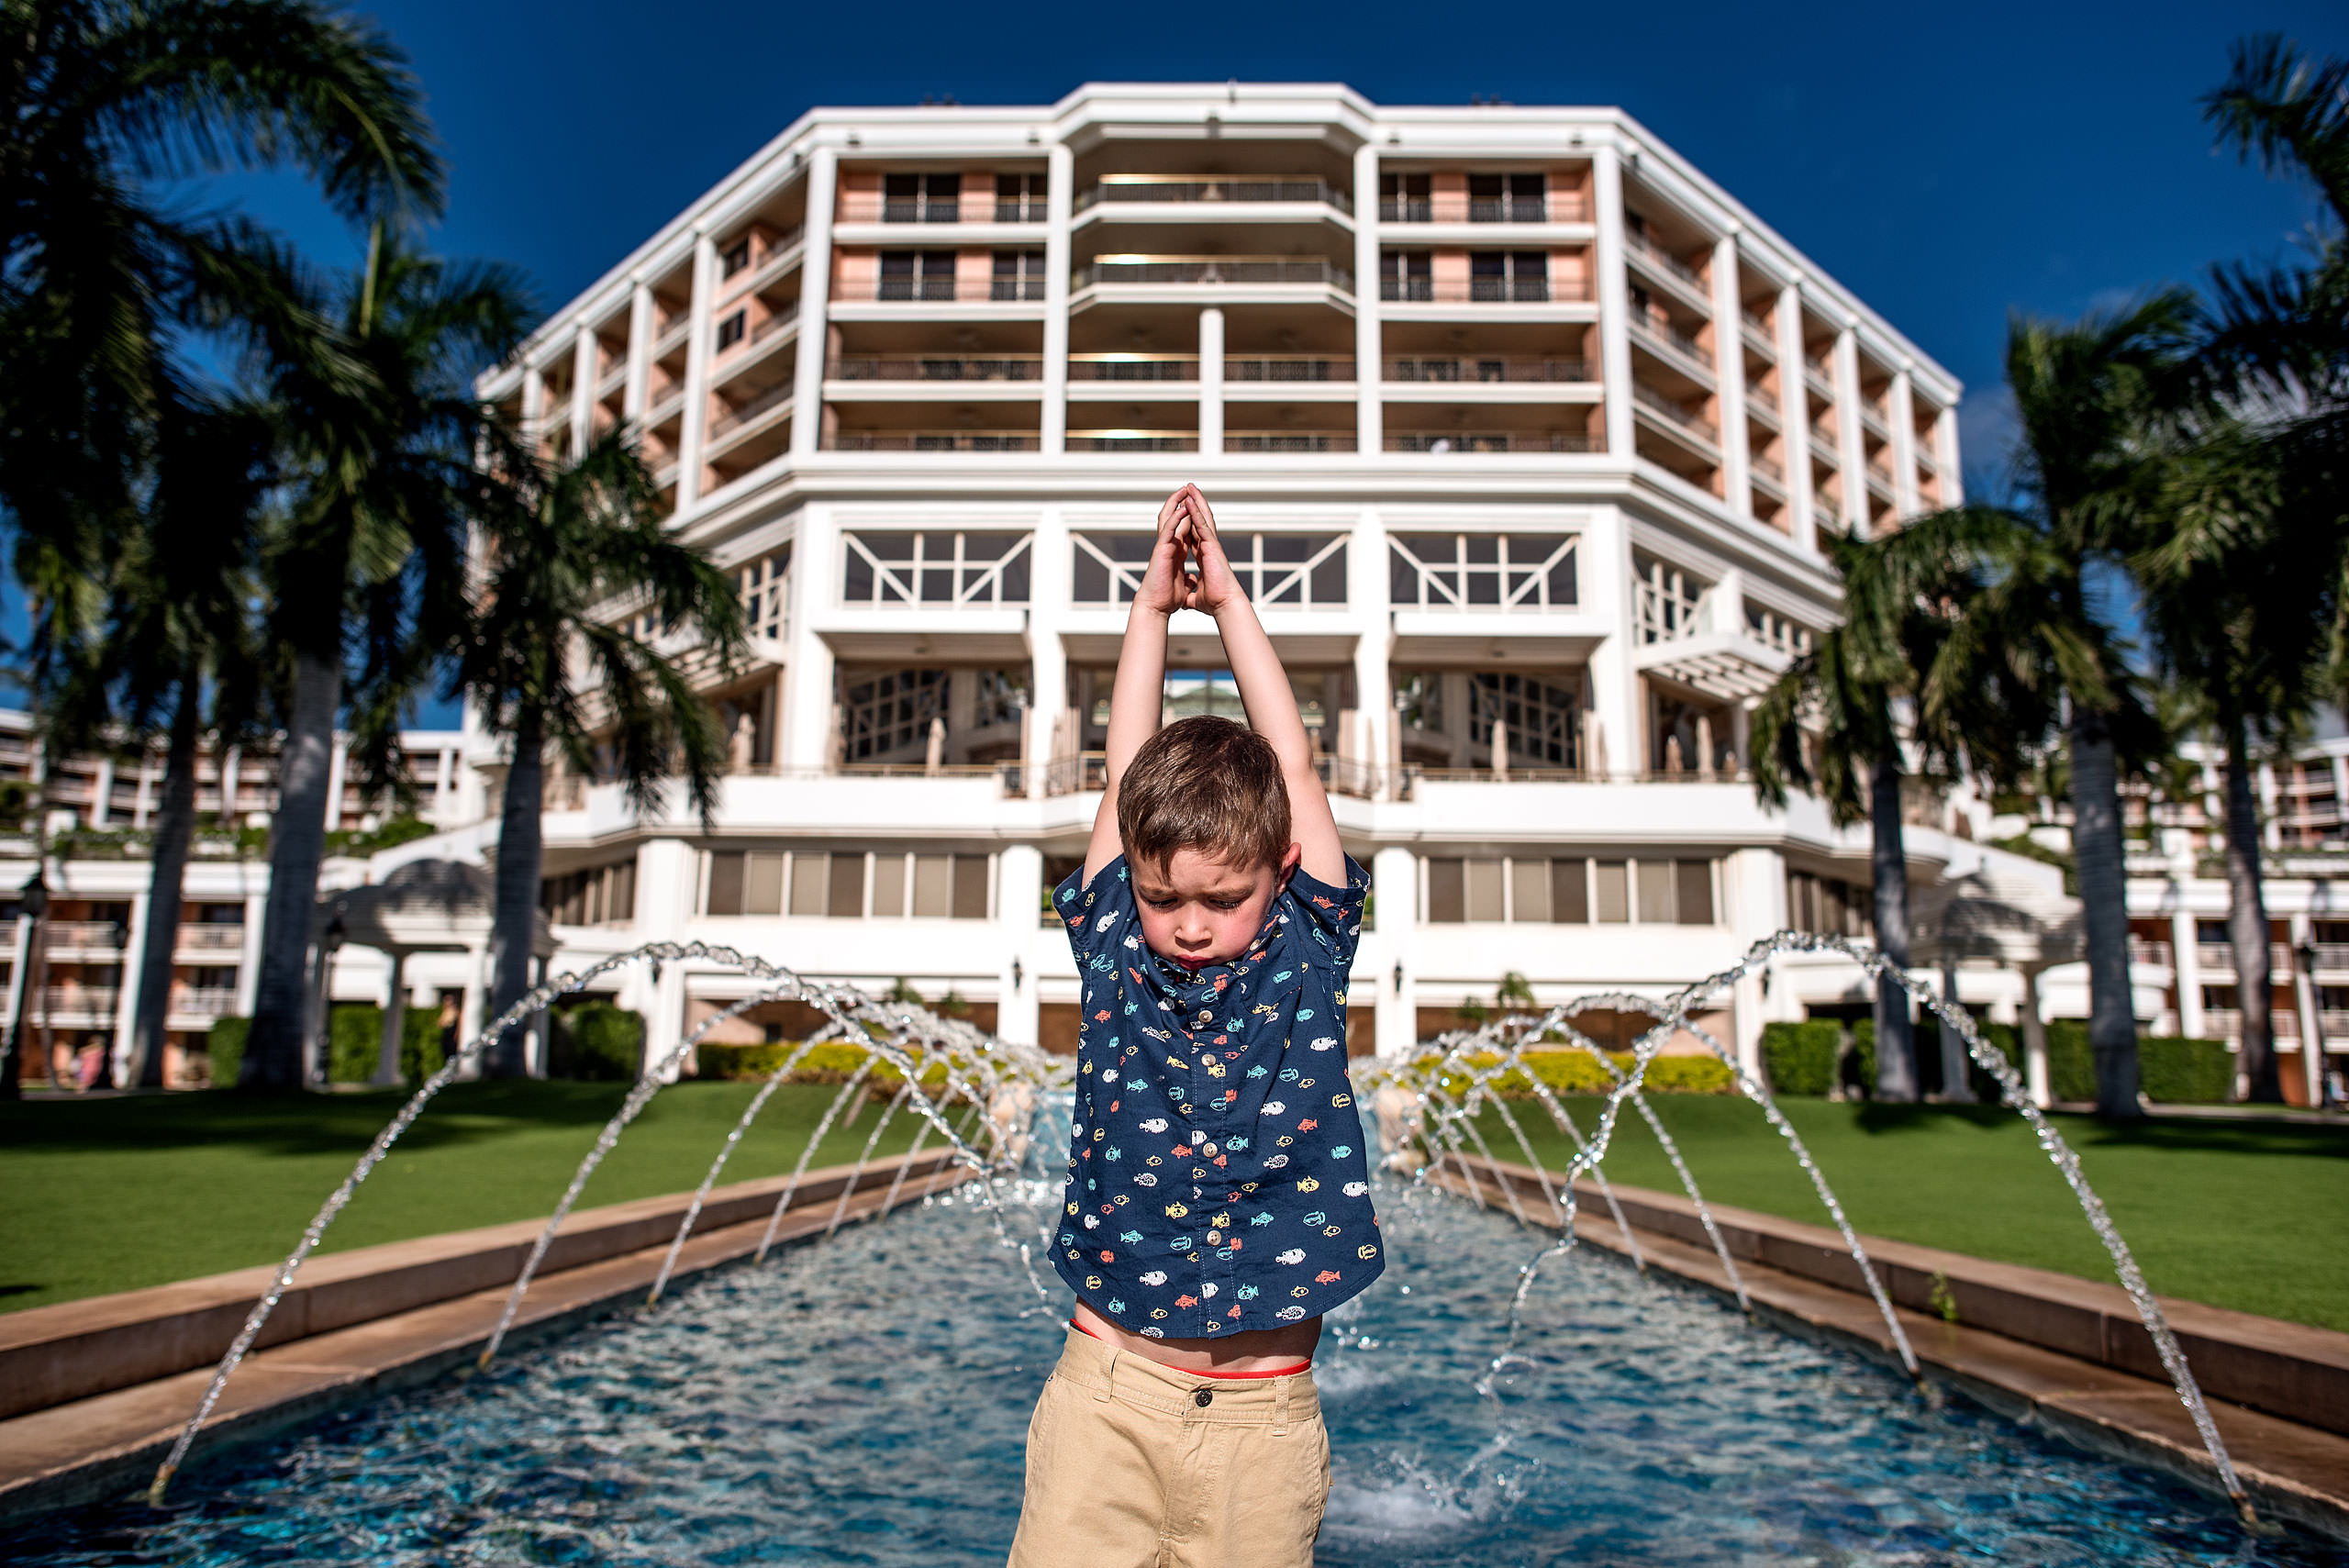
point(174, 827)
point(520, 849)
point(2104, 917)
point(2247, 921)
point(296, 843)
point(1895, 1048)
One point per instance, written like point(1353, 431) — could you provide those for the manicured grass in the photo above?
point(112, 1194)
point(2245, 1215)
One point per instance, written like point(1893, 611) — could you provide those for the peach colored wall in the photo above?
point(972, 270)
point(854, 272)
point(859, 189)
point(1450, 268)
point(1568, 278)
point(978, 195)
point(1448, 196)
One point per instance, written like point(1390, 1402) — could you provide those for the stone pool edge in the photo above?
point(86, 1450)
point(2292, 1471)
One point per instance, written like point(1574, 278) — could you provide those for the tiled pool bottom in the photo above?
point(865, 1401)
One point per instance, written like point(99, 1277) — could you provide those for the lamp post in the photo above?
point(33, 903)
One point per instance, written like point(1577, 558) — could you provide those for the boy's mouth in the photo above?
point(1193, 964)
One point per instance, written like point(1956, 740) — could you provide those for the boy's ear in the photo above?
point(1290, 858)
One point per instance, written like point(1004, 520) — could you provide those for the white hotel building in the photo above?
point(1520, 427)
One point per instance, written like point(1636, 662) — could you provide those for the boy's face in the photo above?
point(1199, 910)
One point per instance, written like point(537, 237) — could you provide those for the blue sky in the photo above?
point(1952, 165)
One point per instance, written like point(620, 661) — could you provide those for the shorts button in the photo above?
point(1203, 1398)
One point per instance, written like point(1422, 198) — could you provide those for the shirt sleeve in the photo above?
point(1097, 914)
point(1332, 915)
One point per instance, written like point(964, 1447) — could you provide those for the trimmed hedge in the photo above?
point(224, 1047)
point(355, 1043)
point(2178, 1069)
point(606, 1041)
point(1800, 1057)
point(1577, 1072)
point(834, 1061)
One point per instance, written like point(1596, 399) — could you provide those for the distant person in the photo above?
point(1218, 1200)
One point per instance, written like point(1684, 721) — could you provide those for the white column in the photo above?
point(1395, 875)
point(2271, 829)
point(1370, 414)
point(249, 955)
point(2035, 1043)
point(1851, 440)
point(126, 996)
point(1753, 896)
point(2305, 999)
point(640, 351)
point(1366, 607)
point(1728, 366)
point(1048, 585)
point(1211, 380)
point(815, 303)
point(1058, 204)
point(583, 389)
point(138, 813)
point(1946, 458)
point(1794, 413)
point(2187, 963)
point(338, 766)
point(1900, 414)
point(1614, 685)
point(807, 673)
point(102, 796)
point(698, 351)
point(668, 877)
point(534, 399)
point(1019, 891)
point(232, 762)
point(1614, 302)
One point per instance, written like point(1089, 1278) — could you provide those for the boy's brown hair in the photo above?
point(1209, 785)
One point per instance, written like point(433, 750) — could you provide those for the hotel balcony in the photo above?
point(1442, 442)
point(1674, 346)
point(1669, 433)
point(931, 441)
point(1822, 387)
point(1139, 198)
point(943, 376)
point(1758, 336)
point(1482, 290)
point(1255, 379)
point(1679, 279)
point(749, 433)
point(935, 290)
point(1202, 279)
point(1762, 407)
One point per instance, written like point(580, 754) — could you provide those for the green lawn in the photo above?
point(2241, 1215)
point(111, 1194)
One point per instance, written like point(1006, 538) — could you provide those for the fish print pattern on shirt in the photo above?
point(1217, 1180)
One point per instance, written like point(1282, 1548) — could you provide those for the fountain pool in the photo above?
point(863, 1400)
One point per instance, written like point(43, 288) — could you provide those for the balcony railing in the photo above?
point(954, 290)
point(1289, 440)
point(1770, 468)
point(2143, 949)
point(936, 367)
point(1228, 270)
point(1664, 334)
point(673, 337)
point(1407, 211)
point(1288, 368)
point(1761, 403)
point(82, 935)
point(1118, 188)
point(930, 441)
point(204, 1002)
point(1819, 381)
point(2332, 955)
point(79, 1001)
point(211, 937)
point(2221, 955)
point(736, 418)
point(2335, 1025)
point(870, 206)
point(1563, 208)
point(1488, 369)
point(1133, 440)
point(775, 322)
point(1482, 290)
point(1133, 367)
point(2226, 1023)
point(1641, 245)
point(1441, 441)
point(664, 404)
point(1647, 397)
point(1088, 771)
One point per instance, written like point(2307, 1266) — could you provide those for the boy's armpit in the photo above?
point(1336, 912)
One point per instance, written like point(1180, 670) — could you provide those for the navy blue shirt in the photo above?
point(1216, 1177)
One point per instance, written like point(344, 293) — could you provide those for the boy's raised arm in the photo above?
point(1139, 696)
point(1263, 687)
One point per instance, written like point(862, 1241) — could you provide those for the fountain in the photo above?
point(982, 1098)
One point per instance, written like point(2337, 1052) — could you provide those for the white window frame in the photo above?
point(976, 582)
point(1532, 595)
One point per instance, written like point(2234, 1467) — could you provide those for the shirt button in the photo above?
point(1208, 1149)
point(1215, 1238)
point(1203, 1398)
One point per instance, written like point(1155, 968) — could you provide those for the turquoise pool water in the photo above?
point(865, 1401)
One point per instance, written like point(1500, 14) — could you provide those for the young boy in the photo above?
point(1218, 1202)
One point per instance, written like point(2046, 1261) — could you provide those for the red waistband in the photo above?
point(1199, 1372)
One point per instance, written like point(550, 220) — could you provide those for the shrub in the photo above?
point(2071, 1065)
point(832, 1063)
point(1800, 1057)
point(1687, 1075)
point(355, 1043)
point(1579, 1072)
point(607, 1042)
point(224, 1047)
point(2177, 1070)
point(1859, 1062)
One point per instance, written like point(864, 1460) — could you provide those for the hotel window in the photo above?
point(1020, 198)
point(735, 257)
point(730, 331)
point(764, 582)
point(921, 198)
point(597, 897)
point(916, 274)
point(1405, 199)
point(849, 884)
point(1568, 891)
point(1506, 198)
point(1520, 275)
point(1295, 570)
point(1544, 720)
point(1019, 274)
point(1829, 906)
point(989, 570)
point(1406, 275)
point(889, 711)
point(1517, 572)
point(1419, 699)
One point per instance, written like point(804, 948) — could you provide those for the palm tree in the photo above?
point(1850, 688)
point(97, 97)
point(381, 429)
point(2101, 407)
point(549, 660)
point(2246, 597)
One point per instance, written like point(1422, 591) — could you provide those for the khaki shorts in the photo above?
point(1132, 1465)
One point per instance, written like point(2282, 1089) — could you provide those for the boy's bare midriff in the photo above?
point(1256, 1350)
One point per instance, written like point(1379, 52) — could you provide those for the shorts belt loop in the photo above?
point(1280, 1407)
point(1108, 1377)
